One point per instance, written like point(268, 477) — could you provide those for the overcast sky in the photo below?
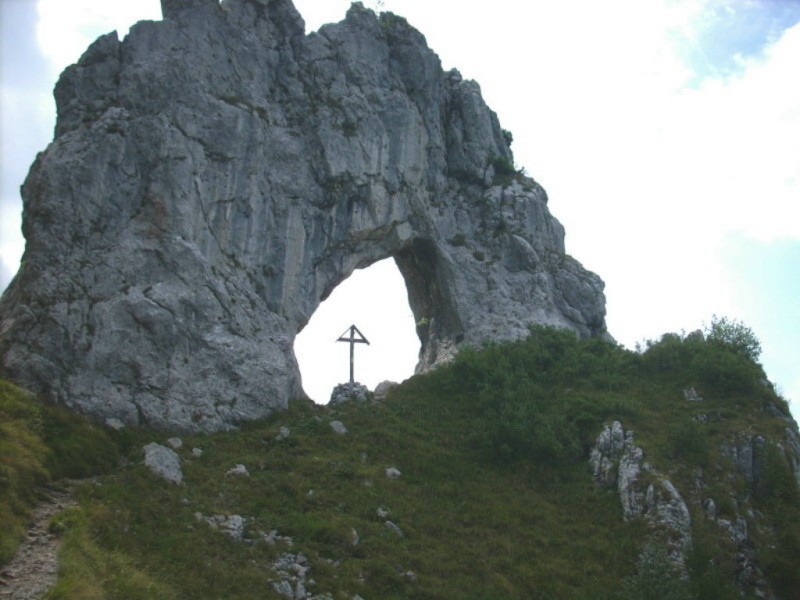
point(666, 132)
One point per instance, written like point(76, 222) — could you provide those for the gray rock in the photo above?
point(338, 427)
point(197, 452)
point(616, 461)
point(383, 389)
point(793, 450)
point(630, 494)
point(747, 454)
point(691, 395)
point(284, 588)
point(182, 230)
point(345, 392)
point(175, 443)
point(163, 462)
point(605, 454)
point(239, 470)
point(115, 424)
point(230, 525)
point(283, 433)
point(394, 529)
point(393, 472)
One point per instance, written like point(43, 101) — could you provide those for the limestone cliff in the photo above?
point(215, 175)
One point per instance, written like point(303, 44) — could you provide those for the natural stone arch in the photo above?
point(216, 174)
point(375, 299)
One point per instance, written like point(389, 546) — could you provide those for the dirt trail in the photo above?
point(35, 567)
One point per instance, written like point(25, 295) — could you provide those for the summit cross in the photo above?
point(349, 336)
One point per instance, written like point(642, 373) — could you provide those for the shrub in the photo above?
point(519, 389)
point(735, 336)
point(502, 166)
point(710, 363)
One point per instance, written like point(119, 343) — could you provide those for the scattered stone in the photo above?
point(231, 525)
point(175, 443)
point(284, 588)
point(691, 395)
point(338, 427)
point(273, 538)
point(283, 433)
point(383, 389)
point(197, 452)
point(711, 508)
point(293, 570)
point(115, 424)
point(395, 529)
point(344, 392)
point(163, 462)
point(382, 513)
point(240, 470)
point(393, 472)
point(354, 537)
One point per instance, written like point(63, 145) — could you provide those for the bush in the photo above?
point(519, 389)
point(735, 336)
point(502, 166)
point(714, 365)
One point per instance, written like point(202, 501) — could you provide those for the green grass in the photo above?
point(39, 443)
point(495, 498)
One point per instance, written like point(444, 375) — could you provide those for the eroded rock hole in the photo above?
point(376, 301)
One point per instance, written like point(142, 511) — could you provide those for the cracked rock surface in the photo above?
point(216, 174)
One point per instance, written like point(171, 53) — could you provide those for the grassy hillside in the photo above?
point(39, 444)
point(495, 498)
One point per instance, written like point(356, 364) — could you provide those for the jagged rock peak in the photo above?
point(215, 175)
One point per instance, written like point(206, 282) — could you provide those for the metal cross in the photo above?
point(352, 340)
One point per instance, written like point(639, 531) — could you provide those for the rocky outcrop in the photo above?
point(750, 466)
point(643, 493)
point(215, 175)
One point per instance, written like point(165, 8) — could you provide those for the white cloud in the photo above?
point(65, 29)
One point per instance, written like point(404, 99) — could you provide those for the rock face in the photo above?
point(215, 175)
point(643, 493)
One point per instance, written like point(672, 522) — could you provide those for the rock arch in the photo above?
point(216, 174)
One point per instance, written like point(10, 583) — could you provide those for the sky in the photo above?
point(666, 133)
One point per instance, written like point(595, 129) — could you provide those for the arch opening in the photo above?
point(375, 299)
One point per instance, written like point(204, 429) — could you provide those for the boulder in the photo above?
point(163, 462)
point(338, 427)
